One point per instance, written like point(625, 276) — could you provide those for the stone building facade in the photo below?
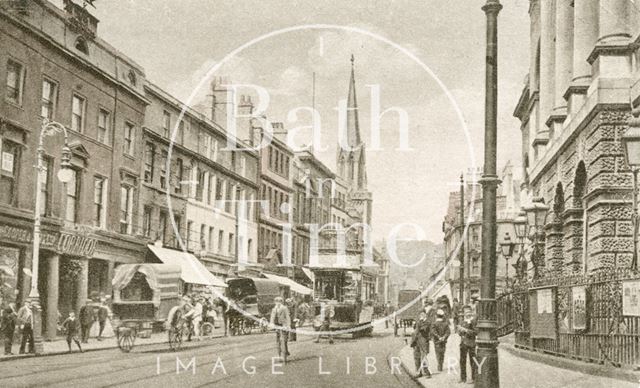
point(574, 108)
point(53, 65)
point(468, 245)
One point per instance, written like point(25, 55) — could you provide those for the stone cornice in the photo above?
point(607, 93)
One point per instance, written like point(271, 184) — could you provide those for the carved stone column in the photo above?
point(563, 64)
point(53, 280)
point(585, 34)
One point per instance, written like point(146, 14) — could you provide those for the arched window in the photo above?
point(81, 45)
point(579, 184)
point(579, 189)
point(558, 201)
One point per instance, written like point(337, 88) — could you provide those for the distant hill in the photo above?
point(404, 273)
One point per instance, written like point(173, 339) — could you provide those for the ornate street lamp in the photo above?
point(536, 218)
point(487, 338)
point(49, 128)
point(506, 247)
point(520, 227)
point(631, 147)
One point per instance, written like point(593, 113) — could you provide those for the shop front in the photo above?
point(73, 266)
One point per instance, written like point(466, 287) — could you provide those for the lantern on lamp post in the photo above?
point(520, 228)
point(536, 215)
point(631, 147)
point(506, 248)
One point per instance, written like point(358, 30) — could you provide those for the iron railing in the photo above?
point(608, 336)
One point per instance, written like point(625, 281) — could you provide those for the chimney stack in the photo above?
point(222, 100)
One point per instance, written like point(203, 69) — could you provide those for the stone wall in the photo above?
point(596, 191)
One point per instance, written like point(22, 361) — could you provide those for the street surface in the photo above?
point(310, 364)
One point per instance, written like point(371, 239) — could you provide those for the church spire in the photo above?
point(353, 127)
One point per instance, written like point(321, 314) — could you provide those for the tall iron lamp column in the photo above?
point(49, 128)
point(487, 339)
point(463, 233)
point(631, 146)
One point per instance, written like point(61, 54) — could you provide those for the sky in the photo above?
point(178, 42)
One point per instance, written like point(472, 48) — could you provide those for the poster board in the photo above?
point(631, 298)
point(579, 308)
point(542, 312)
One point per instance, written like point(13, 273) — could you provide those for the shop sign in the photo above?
point(62, 243)
point(14, 234)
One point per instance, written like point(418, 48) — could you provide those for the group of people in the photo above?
point(23, 321)
point(91, 318)
point(93, 321)
point(194, 310)
point(433, 325)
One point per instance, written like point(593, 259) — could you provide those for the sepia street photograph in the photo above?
point(320, 193)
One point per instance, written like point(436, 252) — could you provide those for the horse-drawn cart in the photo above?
point(144, 294)
point(409, 300)
point(251, 302)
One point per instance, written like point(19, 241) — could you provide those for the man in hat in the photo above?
point(103, 315)
point(71, 327)
point(440, 332)
point(195, 315)
point(25, 320)
point(420, 345)
point(7, 328)
point(467, 331)
point(281, 320)
point(86, 320)
point(291, 305)
point(326, 313)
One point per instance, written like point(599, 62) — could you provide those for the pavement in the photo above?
point(515, 371)
point(59, 346)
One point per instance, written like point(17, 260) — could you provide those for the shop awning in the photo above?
point(309, 274)
point(293, 286)
point(193, 271)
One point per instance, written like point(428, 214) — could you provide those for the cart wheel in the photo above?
point(175, 339)
point(125, 341)
point(207, 329)
point(247, 326)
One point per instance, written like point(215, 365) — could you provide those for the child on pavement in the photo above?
point(71, 327)
point(440, 332)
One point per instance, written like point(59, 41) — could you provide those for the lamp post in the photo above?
point(536, 218)
point(520, 227)
point(462, 239)
point(631, 147)
point(487, 339)
point(49, 128)
point(506, 247)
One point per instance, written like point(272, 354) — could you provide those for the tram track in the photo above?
point(130, 357)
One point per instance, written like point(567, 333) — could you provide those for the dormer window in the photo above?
point(81, 45)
